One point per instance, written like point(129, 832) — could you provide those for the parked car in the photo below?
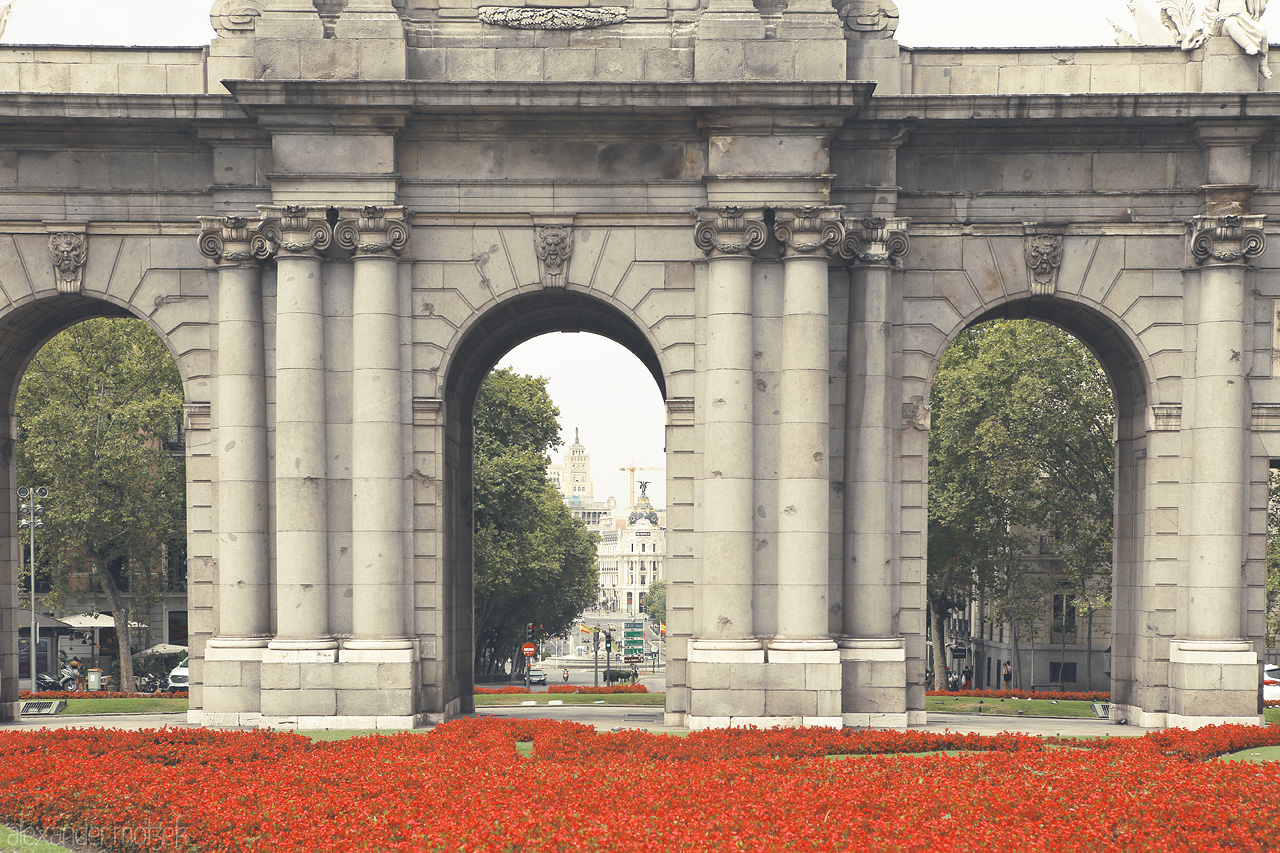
point(537, 676)
point(180, 676)
point(1271, 682)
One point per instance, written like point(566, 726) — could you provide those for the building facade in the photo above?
point(339, 220)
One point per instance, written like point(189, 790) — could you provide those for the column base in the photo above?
point(763, 687)
point(1212, 682)
point(874, 682)
point(316, 644)
point(376, 644)
point(232, 683)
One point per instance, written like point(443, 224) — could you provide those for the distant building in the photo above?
point(632, 548)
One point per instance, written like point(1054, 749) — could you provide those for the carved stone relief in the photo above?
point(69, 251)
point(1044, 257)
point(529, 18)
point(235, 240)
point(554, 245)
point(1231, 239)
point(808, 230)
point(730, 230)
point(231, 18)
point(875, 240)
point(870, 16)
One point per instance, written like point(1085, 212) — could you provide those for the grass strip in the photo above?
point(28, 841)
point(126, 706)
point(1257, 755)
point(1073, 708)
point(507, 699)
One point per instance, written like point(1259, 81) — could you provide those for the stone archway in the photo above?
point(26, 324)
point(493, 334)
point(1133, 577)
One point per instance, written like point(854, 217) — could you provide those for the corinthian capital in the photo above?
point(235, 239)
point(1229, 239)
point(372, 230)
point(297, 229)
point(729, 230)
point(876, 241)
point(809, 230)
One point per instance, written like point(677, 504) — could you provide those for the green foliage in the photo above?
point(655, 601)
point(534, 562)
point(1021, 445)
point(1273, 557)
point(93, 409)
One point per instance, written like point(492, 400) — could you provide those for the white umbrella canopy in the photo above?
point(165, 649)
point(95, 620)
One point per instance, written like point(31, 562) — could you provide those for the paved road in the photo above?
point(610, 717)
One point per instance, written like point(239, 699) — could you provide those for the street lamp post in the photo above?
point(31, 523)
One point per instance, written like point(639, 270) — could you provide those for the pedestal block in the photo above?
point(874, 682)
point(764, 688)
point(1213, 682)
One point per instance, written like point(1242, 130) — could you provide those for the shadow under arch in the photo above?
point(24, 329)
point(1131, 384)
point(495, 333)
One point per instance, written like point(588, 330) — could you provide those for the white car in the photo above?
point(180, 677)
point(1271, 683)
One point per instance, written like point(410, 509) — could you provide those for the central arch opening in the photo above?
point(576, 459)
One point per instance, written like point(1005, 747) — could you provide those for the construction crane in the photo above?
point(633, 468)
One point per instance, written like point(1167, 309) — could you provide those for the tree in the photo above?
point(94, 410)
point(1273, 557)
point(534, 562)
point(655, 601)
point(1021, 445)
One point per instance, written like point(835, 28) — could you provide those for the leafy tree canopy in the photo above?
point(534, 562)
point(94, 409)
point(1021, 446)
point(655, 601)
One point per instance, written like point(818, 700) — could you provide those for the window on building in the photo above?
point(1064, 619)
point(178, 627)
point(1062, 672)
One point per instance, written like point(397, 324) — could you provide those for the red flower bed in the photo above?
point(99, 694)
point(501, 691)
point(464, 787)
point(1087, 696)
point(598, 691)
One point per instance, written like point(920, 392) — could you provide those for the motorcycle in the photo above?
point(151, 683)
point(66, 682)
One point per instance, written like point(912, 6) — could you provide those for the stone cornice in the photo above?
point(1182, 108)
point(435, 96)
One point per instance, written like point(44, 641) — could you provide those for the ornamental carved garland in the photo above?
point(527, 18)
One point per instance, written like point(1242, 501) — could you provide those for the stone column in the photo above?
point(238, 248)
point(807, 235)
point(723, 626)
point(233, 655)
point(1213, 668)
point(302, 548)
point(377, 236)
point(872, 653)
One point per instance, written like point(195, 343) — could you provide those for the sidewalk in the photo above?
point(609, 717)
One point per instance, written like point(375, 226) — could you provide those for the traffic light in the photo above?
point(608, 641)
point(529, 632)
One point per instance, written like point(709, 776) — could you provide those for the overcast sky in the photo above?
point(600, 388)
point(942, 23)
